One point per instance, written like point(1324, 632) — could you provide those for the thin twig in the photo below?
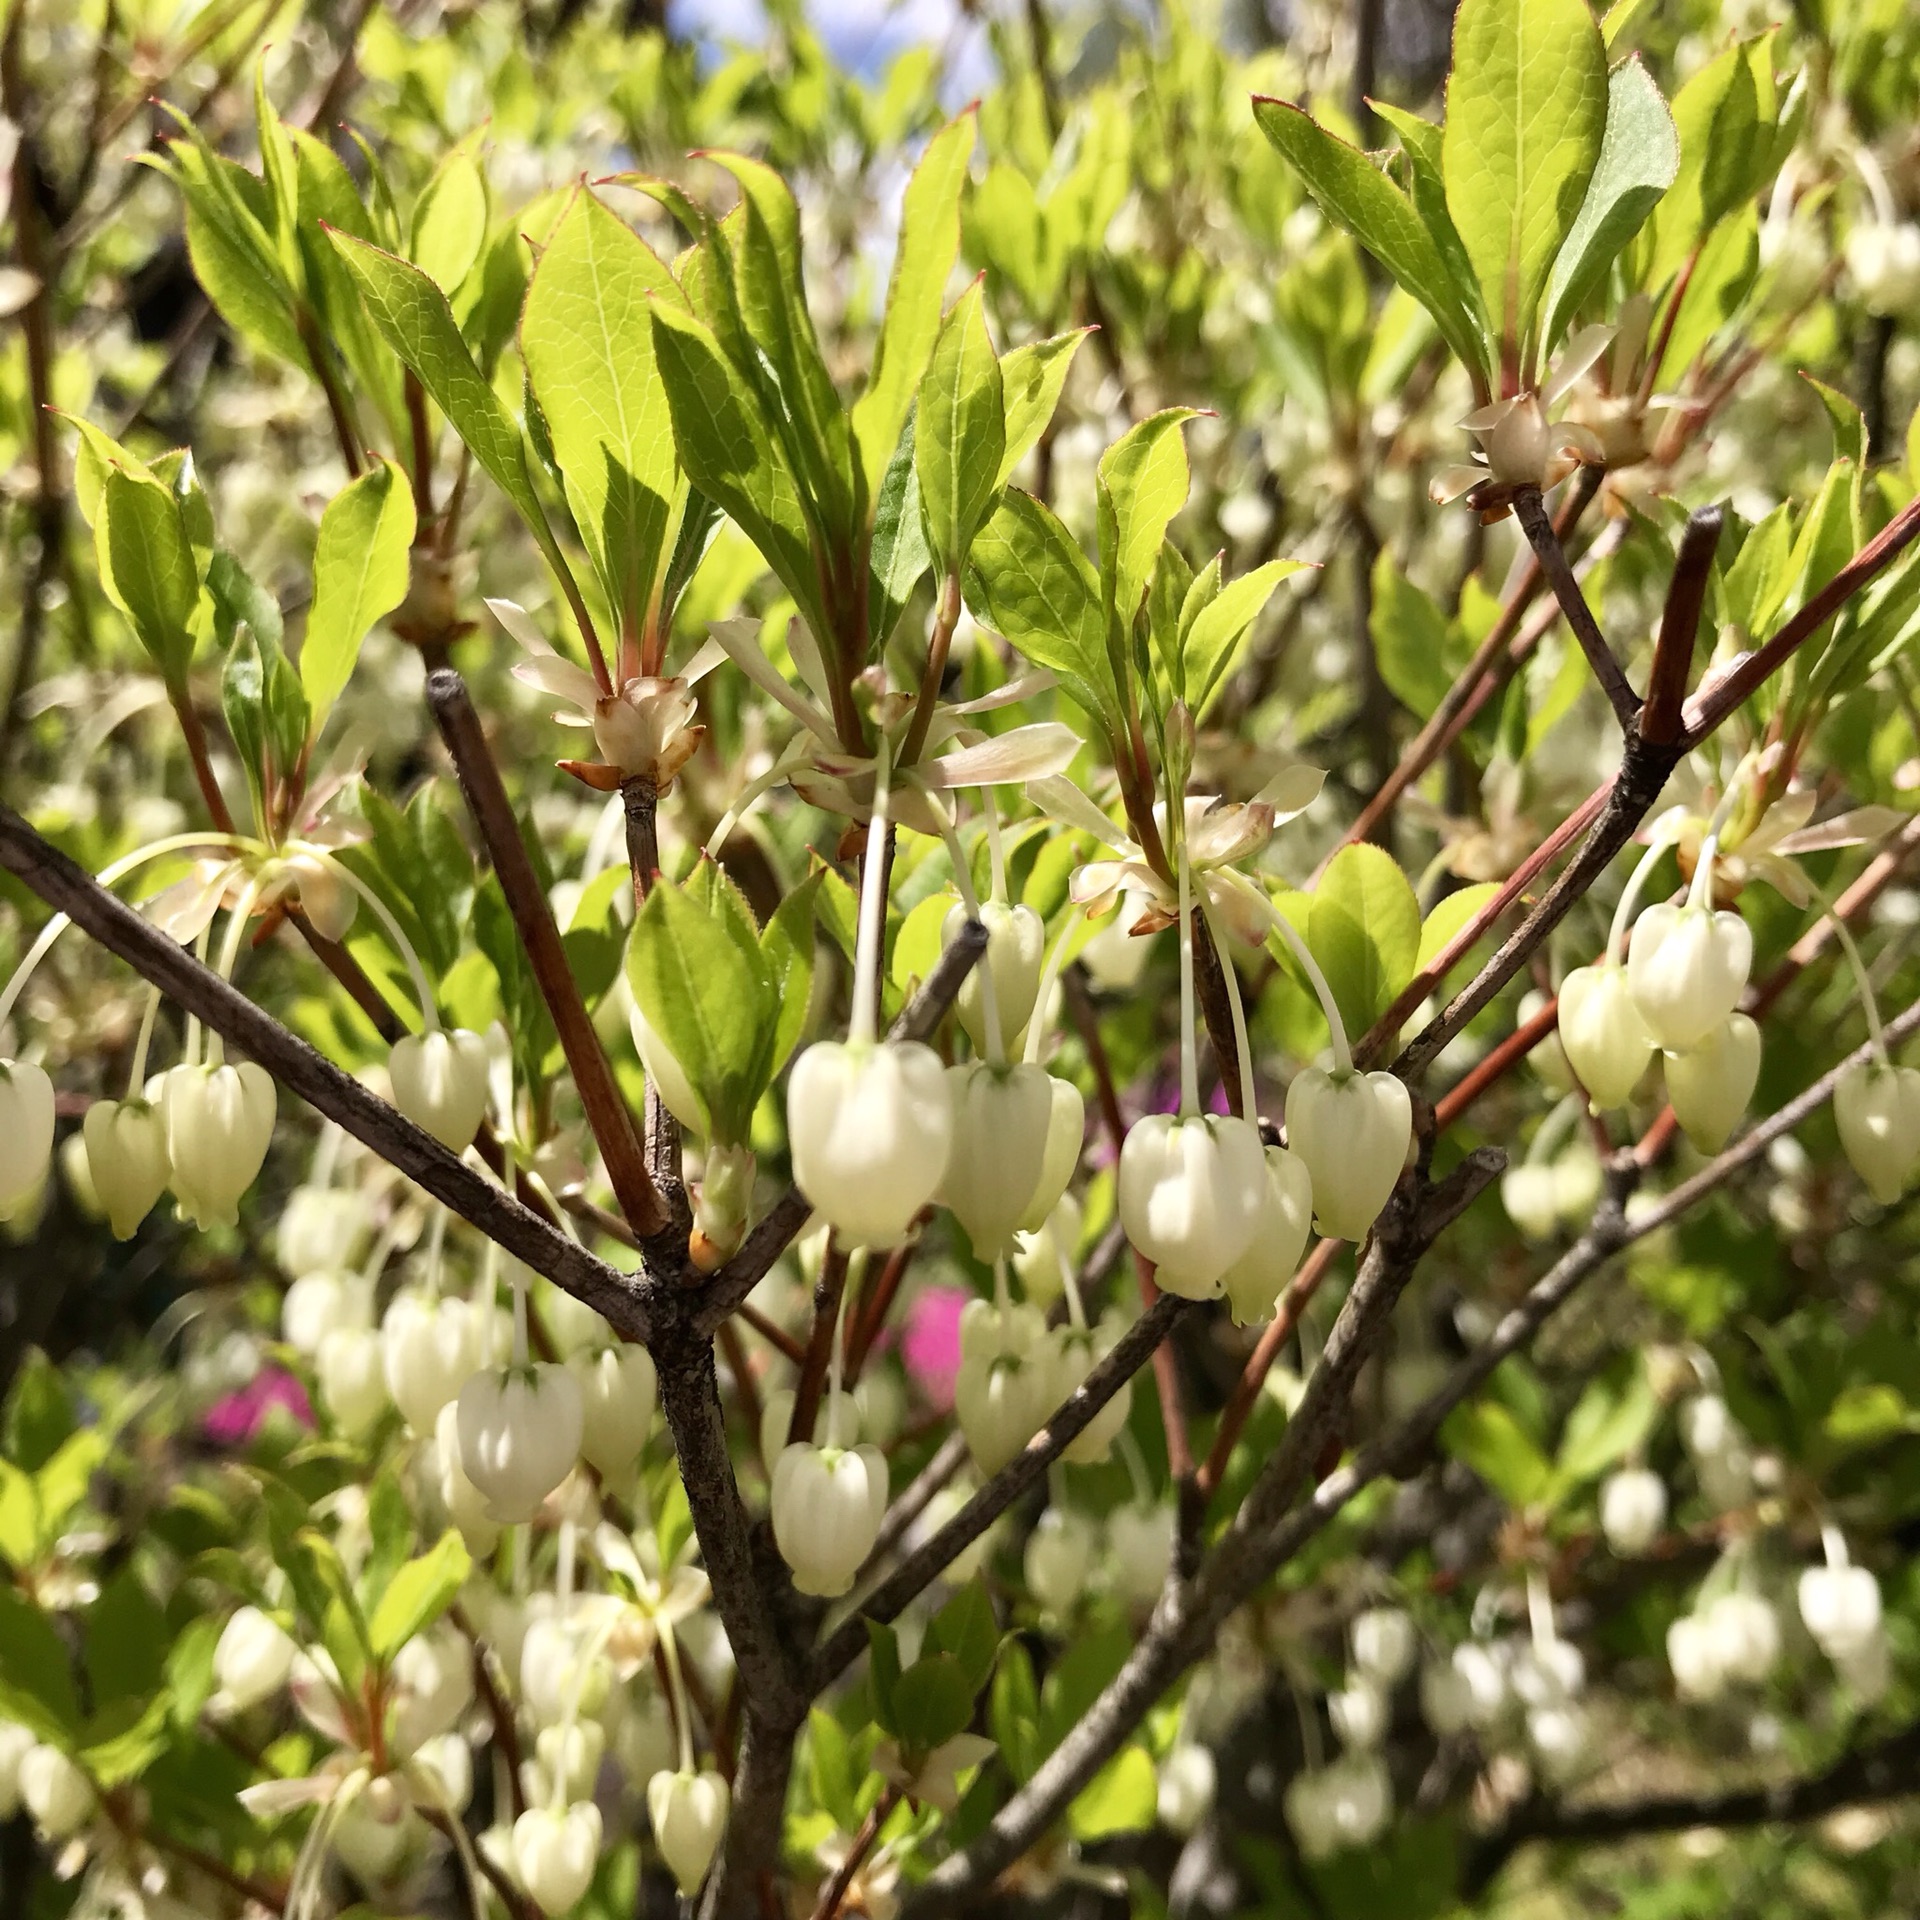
point(1531, 512)
point(842, 1877)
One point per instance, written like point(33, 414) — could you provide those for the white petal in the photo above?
point(741, 639)
point(560, 678)
point(1576, 357)
point(1026, 753)
point(1292, 791)
point(519, 623)
point(703, 663)
point(1857, 828)
point(1061, 800)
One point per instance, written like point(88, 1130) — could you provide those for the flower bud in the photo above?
point(1603, 1034)
point(1192, 1193)
point(1058, 1558)
point(440, 1084)
point(126, 1144)
point(1710, 1085)
point(1077, 1351)
point(322, 1302)
point(1254, 1281)
point(219, 1123)
point(520, 1433)
point(1001, 1120)
point(555, 1853)
point(1140, 1549)
point(1841, 1608)
point(567, 1754)
point(1016, 949)
point(1353, 1131)
point(827, 1508)
point(1359, 1714)
point(721, 1205)
point(870, 1129)
point(1039, 1252)
point(251, 1660)
point(1687, 967)
point(26, 1134)
point(466, 1505)
point(1877, 1109)
point(1003, 1391)
point(1529, 1194)
point(321, 1228)
point(1633, 1509)
point(1383, 1645)
point(1066, 1134)
point(618, 1388)
point(351, 1365)
point(1187, 1783)
point(689, 1815)
point(55, 1793)
point(430, 1349)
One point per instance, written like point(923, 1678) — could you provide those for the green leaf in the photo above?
point(787, 947)
point(932, 1701)
point(1212, 642)
point(1357, 197)
point(1363, 927)
point(126, 1635)
point(1605, 1425)
point(1639, 161)
point(959, 432)
point(40, 1413)
point(704, 987)
point(418, 1595)
point(1027, 580)
point(450, 220)
point(1526, 115)
point(1439, 927)
point(1013, 1713)
point(361, 567)
point(1410, 639)
point(19, 1518)
point(227, 209)
point(589, 347)
point(124, 1740)
point(965, 1627)
point(832, 1776)
point(929, 244)
point(883, 1668)
point(1490, 1440)
point(1141, 482)
point(897, 554)
point(417, 323)
point(728, 454)
point(1032, 378)
point(147, 567)
point(1716, 116)
point(36, 1685)
point(1123, 1797)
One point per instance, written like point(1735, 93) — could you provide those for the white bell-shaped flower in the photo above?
point(689, 1816)
point(618, 1390)
point(1040, 1253)
point(440, 1083)
point(126, 1142)
point(219, 1123)
point(1001, 1121)
point(321, 1302)
point(870, 1128)
point(1353, 1131)
point(520, 1433)
point(26, 1134)
point(16, 1742)
point(466, 1505)
point(1016, 950)
point(1383, 1644)
point(1883, 261)
point(1693, 1655)
point(1560, 1736)
point(1358, 1712)
point(322, 1229)
point(1633, 1509)
point(1187, 1783)
point(1004, 1389)
point(55, 1793)
point(351, 1365)
point(1468, 1689)
point(1066, 1134)
point(1058, 1557)
point(1254, 1281)
point(554, 1854)
point(1192, 1193)
point(1687, 967)
point(445, 1766)
point(1710, 1084)
point(1744, 1632)
point(1603, 1034)
point(827, 1507)
point(1077, 1351)
point(1841, 1607)
point(1139, 1550)
point(1528, 1193)
point(566, 1761)
point(1545, 1671)
point(837, 1423)
point(560, 1670)
point(430, 1349)
point(1339, 1807)
point(251, 1660)
point(1877, 1109)
point(432, 1686)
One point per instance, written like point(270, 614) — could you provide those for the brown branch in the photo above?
point(876, 1307)
point(777, 1337)
point(1531, 511)
point(949, 1457)
point(1680, 626)
point(842, 1877)
point(606, 1109)
point(46, 871)
point(827, 1293)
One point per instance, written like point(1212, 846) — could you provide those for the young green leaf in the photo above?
point(1141, 483)
point(1639, 160)
point(418, 1595)
point(1526, 114)
point(1213, 638)
point(147, 566)
point(959, 432)
point(1032, 378)
point(361, 566)
point(1364, 929)
point(450, 220)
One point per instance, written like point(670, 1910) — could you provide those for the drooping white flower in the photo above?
point(56, 1794)
point(520, 1433)
point(26, 1134)
point(126, 1143)
point(1358, 1712)
point(1002, 1117)
point(430, 1349)
point(1383, 1644)
point(1066, 1133)
point(440, 1083)
point(1352, 1130)
point(1254, 1282)
point(555, 1851)
point(1077, 1351)
point(1058, 1557)
point(1192, 1193)
point(1004, 1389)
point(351, 1365)
point(689, 1816)
point(219, 1123)
point(324, 1301)
point(1687, 967)
point(1710, 1084)
point(1185, 1789)
point(827, 1505)
point(322, 1229)
point(1633, 1509)
point(251, 1660)
point(1876, 1107)
point(1603, 1034)
point(1016, 949)
point(618, 1390)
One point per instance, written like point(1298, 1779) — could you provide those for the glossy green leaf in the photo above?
point(959, 432)
point(1122, 1797)
point(1363, 927)
point(1032, 379)
point(1526, 115)
point(932, 1701)
point(1140, 483)
point(450, 220)
point(418, 1594)
point(1212, 642)
point(1716, 117)
point(147, 566)
point(361, 567)
point(1438, 929)
point(1491, 1441)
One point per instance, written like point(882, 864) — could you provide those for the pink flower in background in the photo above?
point(238, 1418)
point(931, 1343)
